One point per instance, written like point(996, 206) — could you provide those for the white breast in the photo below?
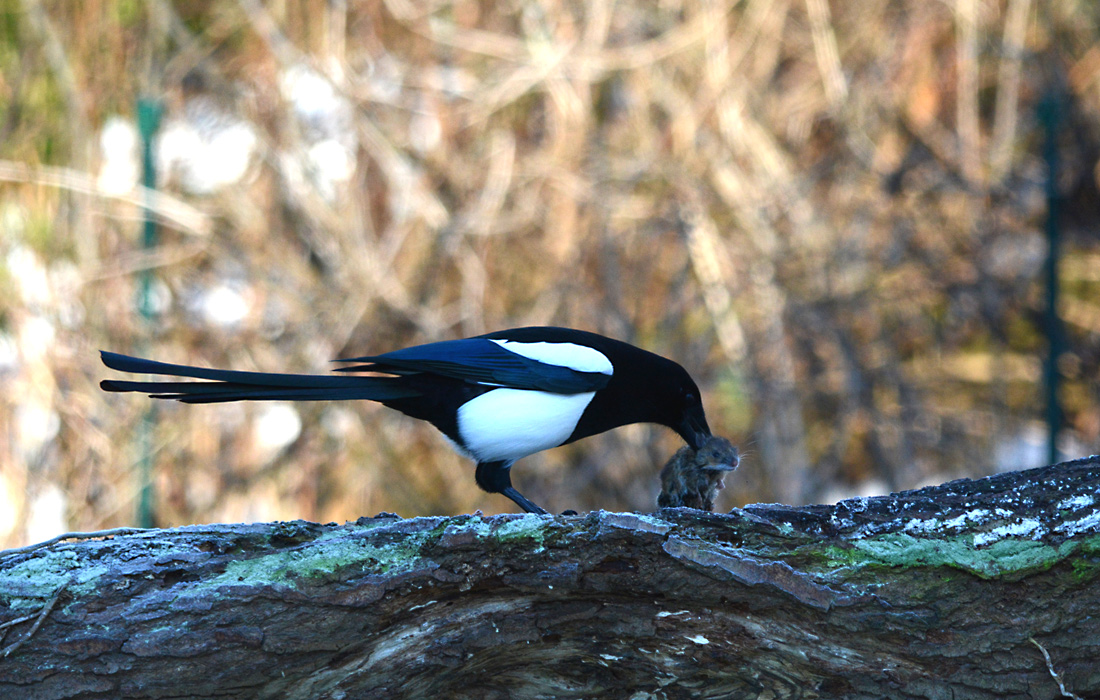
point(507, 424)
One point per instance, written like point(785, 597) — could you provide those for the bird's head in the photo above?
point(648, 388)
point(689, 418)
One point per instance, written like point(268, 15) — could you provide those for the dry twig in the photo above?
point(1053, 673)
point(41, 617)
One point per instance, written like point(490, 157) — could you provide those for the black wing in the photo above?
point(482, 361)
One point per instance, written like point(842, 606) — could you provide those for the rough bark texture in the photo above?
point(936, 593)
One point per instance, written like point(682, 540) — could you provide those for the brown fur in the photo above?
point(692, 479)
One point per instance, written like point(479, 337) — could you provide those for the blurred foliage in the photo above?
point(830, 213)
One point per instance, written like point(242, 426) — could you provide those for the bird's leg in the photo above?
point(522, 501)
point(495, 477)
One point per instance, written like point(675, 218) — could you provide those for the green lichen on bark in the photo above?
point(1004, 557)
point(27, 585)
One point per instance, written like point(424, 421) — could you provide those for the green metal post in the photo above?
point(1050, 114)
point(149, 113)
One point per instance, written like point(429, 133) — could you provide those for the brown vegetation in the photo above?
point(831, 214)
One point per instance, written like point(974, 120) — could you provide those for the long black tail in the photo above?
point(232, 385)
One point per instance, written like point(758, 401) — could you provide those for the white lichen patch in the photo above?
point(920, 525)
point(668, 613)
point(698, 639)
point(476, 524)
point(1077, 502)
point(1030, 528)
point(529, 525)
point(636, 521)
point(976, 516)
point(1026, 527)
point(1089, 522)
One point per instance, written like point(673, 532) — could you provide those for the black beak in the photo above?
point(694, 429)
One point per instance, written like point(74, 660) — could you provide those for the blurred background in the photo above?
point(839, 217)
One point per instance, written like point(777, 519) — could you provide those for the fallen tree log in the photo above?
point(972, 589)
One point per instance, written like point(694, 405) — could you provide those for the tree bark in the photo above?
point(963, 590)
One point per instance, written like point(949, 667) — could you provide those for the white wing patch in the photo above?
point(576, 357)
point(507, 424)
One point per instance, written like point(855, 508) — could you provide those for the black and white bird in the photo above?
point(497, 397)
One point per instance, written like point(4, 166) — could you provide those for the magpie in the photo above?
point(497, 397)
